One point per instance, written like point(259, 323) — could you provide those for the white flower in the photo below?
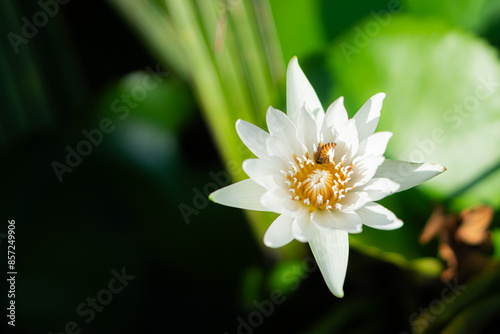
point(322, 172)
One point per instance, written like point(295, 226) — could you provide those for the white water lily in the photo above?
point(322, 172)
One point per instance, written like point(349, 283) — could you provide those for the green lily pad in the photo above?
point(442, 104)
point(474, 15)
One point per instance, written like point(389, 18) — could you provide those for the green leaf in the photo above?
point(149, 95)
point(462, 307)
point(251, 286)
point(442, 100)
point(286, 276)
point(299, 27)
point(474, 15)
point(495, 239)
point(340, 15)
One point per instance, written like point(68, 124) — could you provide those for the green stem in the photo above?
point(270, 40)
point(205, 79)
point(258, 78)
point(224, 55)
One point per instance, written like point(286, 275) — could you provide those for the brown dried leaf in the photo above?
point(438, 222)
point(474, 227)
point(459, 238)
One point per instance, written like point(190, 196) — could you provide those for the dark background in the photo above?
point(119, 208)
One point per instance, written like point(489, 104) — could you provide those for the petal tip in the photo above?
point(398, 224)
point(239, 120)
point(438, 168)
point(238, 123)
point(337, 291)
point(211, 196)
point(292, 64)
point(339, 294)
point(270, 244)
point(267, 242)
point(394, 186)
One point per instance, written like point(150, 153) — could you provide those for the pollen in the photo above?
point(321, 183)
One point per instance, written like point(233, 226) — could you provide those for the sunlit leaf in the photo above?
point(442, 100)
point(470, 14)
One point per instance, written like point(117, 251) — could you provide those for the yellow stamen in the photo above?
point(322, 183)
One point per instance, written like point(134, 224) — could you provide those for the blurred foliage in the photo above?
point(467, 14)
point(299, 37)
point(413, 63)
point(221, 61)
point(463, 308)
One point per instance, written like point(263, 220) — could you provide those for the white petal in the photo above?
point(376, 216)
point(245, 194)
point(253, 137)
point(295, 208)
point(317, 114)
point(283, 191)
point(347, 141)
point(331, 251)
point(379, 187)
point(354, 200)
point(307, 131)
point(303, 228)
point(299, 92)
point(375, 144)
point(279, 201)
point(261, 171)
point(279, 233)
point(272, 202)
point(279, 125)
point(347, 221)
point(368, 115)
point(364, 169)
point(323, 219)
point(408, 174)
point(335, 118)
point(278, 148)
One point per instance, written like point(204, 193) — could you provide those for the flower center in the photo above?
point(320, 183)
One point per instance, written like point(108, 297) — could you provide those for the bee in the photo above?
point(321, 155)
